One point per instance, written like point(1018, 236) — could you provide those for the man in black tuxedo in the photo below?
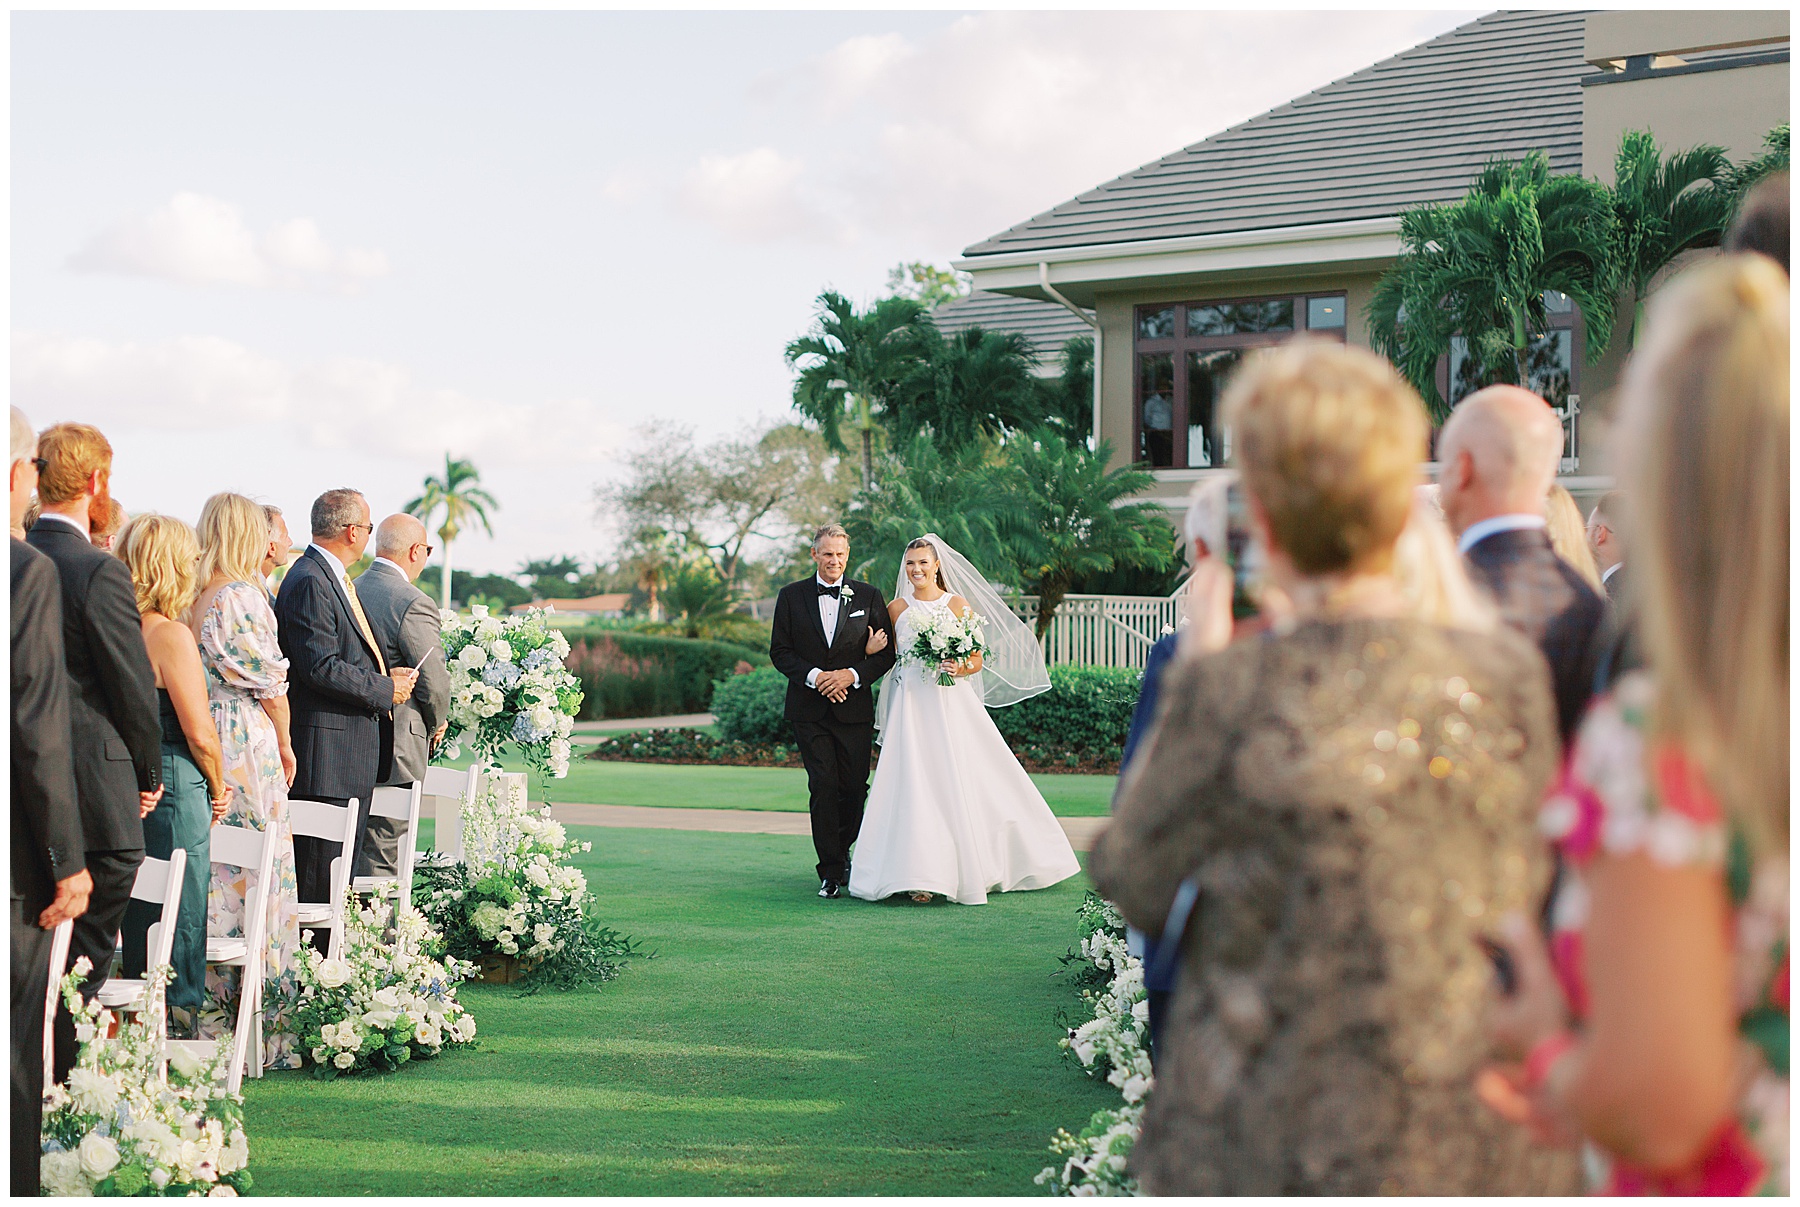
point(1499, 453)
point(113, 724)
point(49, 880)
point(339, 687)
point(819, 640)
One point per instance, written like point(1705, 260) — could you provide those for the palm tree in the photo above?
point(854, 360)
point(957, 492)
point(697, 596)
point(965, 386)
point(1480, 269)
point(1665, 207)
point(459, 495)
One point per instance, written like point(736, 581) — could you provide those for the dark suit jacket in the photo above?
point(113, 719)
point(797, 644)
point(1546, 599)
point(1618, 584)
point(407, 626)
point(335, 692)
point(1161, 654)
point(46, 813)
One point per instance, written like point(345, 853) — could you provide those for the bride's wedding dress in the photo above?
point(950, 810)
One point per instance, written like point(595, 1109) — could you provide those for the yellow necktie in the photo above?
point(362, 622)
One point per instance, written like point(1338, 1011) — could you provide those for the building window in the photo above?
point(1551, 358)
point(1178, 413)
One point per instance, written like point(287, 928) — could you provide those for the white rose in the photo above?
point(99, 1155)
point(502, 650)
point(236, 1154)
point(333, 974)
point(159, 1177)
point(186, 1063)
point(60, 1174)
point(344, 1060)
point(221, 1191)
point(479, 611)
point(388, 998)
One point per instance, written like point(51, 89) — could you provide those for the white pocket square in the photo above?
point(864, 612)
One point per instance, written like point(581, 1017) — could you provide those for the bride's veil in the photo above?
point(1013, 667)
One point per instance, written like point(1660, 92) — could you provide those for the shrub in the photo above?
point(631, 675)
point(748, 707)
point(1086, 711)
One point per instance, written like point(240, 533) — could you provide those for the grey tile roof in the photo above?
point(1047, 325)
point(1412, 129)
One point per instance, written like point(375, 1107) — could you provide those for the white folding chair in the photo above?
point(157, 880)
point(59, 959)
point(402, 805)
point(251, 850)
point(333, 823)
point(452, 790)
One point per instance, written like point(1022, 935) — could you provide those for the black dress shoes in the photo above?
point(830, 890)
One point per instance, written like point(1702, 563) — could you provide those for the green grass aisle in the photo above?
point(777, 1044)
point(779, 788)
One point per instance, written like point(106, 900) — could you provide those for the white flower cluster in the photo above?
point(119, 1128)
point(508, 683)
point(380, 1004)
point(939, 637)
point(1113, 1042)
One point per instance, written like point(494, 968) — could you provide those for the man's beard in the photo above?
point(100, 509)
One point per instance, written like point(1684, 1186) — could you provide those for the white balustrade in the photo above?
point(1103, 630)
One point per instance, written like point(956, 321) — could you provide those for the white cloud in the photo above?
point(758, 195)
point(199, 240)
point(207, 383)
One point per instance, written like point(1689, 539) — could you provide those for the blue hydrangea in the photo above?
point(524, 731)
point(538, 659)
point(500, 674)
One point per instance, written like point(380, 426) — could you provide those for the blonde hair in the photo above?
point(1329, 440)
point(234, 538)
point(1568, 534)
point(73, 452)
point(163, 555)
point(1430, 572)
point(1706, 416)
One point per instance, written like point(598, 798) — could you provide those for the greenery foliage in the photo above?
point(1664, 207)
point(854, 359)
point(693, 746)
point(927, 283)
point(633, 675)
point(959, 493)
point(463, 502)
point(1087, 710)
point(747, 708)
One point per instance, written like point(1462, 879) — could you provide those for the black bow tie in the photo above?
point(831, 591)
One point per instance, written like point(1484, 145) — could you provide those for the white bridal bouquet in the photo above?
point(119, 1128)
point(939, 637)
point(383, 1003)
point(508, 684)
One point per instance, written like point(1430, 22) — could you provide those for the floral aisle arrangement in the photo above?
point(940, 637)
point(508, 684)
point(1111, 1044)
point(516, 894)
point(118, 1128)
point(389, 999)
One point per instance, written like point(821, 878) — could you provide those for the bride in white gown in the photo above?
point(950, 810)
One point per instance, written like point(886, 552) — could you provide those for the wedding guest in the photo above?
point(163, 556)
point(1354, 795)
point(247, 690)
point(1431, 574)
point(1204, 530)
point(1655, 1024)
point(1606, 537)
point(29, 520)
point(342, 685)
point(410, 633)
point(1568, 534)
point(281, 545)
point(112, 704)
point(1499, 452)
point(105, 520)
point(1761, 224)
point(49, 880)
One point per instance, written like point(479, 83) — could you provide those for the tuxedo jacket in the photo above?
point(407, 627)
point(46, 813)
point(114, 724)
point(336, 693)
point(797, 644)
point(1546, 599)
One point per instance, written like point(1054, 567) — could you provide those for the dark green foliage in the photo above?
point(694, 746)
point(748, 707)
point(631, 675)
point(1066, 402)
point(1771, 159)
point(958, 493)
point(696, 596)
point(1665, 207)
point(496, 590)
point(965, 386)
point(1087, 710)
point(867, 352)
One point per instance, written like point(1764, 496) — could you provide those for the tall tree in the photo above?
point(458, 494)
point(957, 492)
point(553, 577)
point(965, 386)
point(1772, 158)
point(1665, 207)
point(1066, 401)
point(927, 284)
point(1479, 268)
point(696, 596)
point(852, 363)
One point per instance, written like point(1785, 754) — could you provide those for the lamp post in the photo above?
point(866, 425)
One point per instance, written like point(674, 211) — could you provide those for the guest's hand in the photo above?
point(404, 677)
point(437, 737)
point(289, 767)
point(877, 641)
point(221, 805)
point(71, 900)
point(147, 801)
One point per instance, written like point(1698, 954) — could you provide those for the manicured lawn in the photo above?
point(779, 788)
point(776, 1044)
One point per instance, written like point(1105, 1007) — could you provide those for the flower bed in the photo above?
point(696, 747)
point(384, 1002)
point(118, 1129)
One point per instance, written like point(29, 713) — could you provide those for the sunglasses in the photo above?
point(42, 463)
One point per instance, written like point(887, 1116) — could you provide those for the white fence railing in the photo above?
point(1103, 630)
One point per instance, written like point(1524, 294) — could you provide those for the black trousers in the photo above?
point(96, 933)
point(30, 981)
point(837, 756)
point(313, 856)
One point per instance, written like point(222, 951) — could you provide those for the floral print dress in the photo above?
point(245, 666)
point(1613, 800)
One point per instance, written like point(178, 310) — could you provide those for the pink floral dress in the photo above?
point(245, 666)
point(1614, 800)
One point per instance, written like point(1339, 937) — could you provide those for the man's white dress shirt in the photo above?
point(828, 616)
point(338, 568)
point(70, 520)
point(1606, 574)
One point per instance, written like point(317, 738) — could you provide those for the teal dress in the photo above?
point(183, 818)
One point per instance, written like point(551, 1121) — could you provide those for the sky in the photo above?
point(283, 252)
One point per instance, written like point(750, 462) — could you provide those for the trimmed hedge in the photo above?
point(748, 708)
point(631, 675)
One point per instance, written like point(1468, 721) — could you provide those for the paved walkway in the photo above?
point(690, 721)
point(1081, 830)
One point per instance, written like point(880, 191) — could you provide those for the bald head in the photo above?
point(401, 539)
point(1499, 453)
